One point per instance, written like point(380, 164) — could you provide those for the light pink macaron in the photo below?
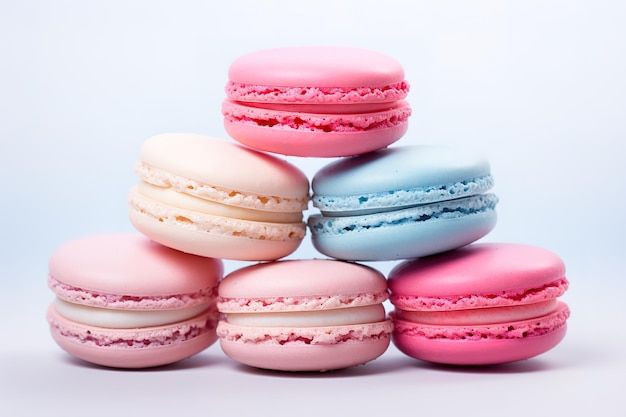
point(482, 304)
point(125, 301)
point(304, 315)
point(316, 101)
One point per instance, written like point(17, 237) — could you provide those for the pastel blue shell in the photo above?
point(399, 177)
point(402, 203)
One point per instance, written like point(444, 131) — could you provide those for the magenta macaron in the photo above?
point(304, 315)
point(124, 301)
point(482, 304)
point(316, 101)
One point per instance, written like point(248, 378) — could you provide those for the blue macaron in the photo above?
point(401, 203)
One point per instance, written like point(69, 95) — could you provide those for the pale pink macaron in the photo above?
point(316, 101)
point(211, 197)
point(482, 304)
point(304, 315)
point(125, 301)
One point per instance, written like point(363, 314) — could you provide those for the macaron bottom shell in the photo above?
point(485, 344)
point(212, 245)
point(339, 346)
point(398, 240)
point(314, 143)
point(134, 348)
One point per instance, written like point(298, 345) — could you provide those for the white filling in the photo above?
point(321, 318)
point(124, 319)
point(189, 202)
point(480, 316)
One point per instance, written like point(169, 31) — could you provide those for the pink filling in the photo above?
point(260, 93)
point(315, 122)
point(513, 330)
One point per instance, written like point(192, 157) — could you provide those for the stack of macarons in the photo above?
point(201, 200)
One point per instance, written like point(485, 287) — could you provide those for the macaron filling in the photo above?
point(334, 317)
point(479, 316)
point(451, 209)
point(125, 319)
point(290, 94)
point(173, 198)
point(520, 329)
point(379, 201)
point(394, 115)
point(184, 219)
point(230, 197)
point(131, 338)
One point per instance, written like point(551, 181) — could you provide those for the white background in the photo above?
point(537, 86)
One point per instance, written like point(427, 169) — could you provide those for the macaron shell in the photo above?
point(221, 163)
point(316, 66)
point(153, 346)
point(314, 144)
point(400, 168)
point(485, 268)
point(206, 244)
point(309, 283)
point(400, 240)
point(303, 358)
point(131, 265)
point(287, 349)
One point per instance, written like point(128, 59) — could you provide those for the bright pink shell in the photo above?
point(476, 278)
point(130, 271)
point(478, 275)
point(316, 75)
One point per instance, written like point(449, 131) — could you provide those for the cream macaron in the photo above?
point(211, 197)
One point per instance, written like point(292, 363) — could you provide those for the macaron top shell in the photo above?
point(400, 176)
point(223, 164)
point(129, 265)
point(479, 275)
point(305, 68)
point(300, 285)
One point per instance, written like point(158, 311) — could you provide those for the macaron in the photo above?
point(124, 301)
point(402, 202)
point(483, 304)
point(316, 101)
point(211, 197)
point(304, 315)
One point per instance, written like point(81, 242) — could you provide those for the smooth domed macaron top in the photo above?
point(316, 66)
point(215, 162)
point(132, 265)
point(399, 168)
point(483, 268)
point(302, 278)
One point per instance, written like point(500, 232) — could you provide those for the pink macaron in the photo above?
point(482, 304)
point(124, 301)
point(316, 101)
point(304, 315)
